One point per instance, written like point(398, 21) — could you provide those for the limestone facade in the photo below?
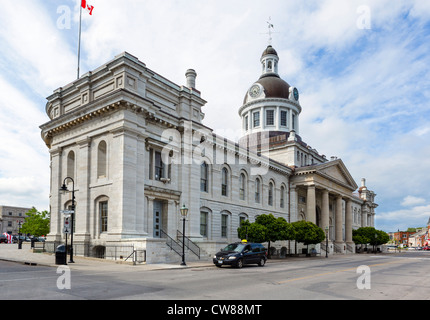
point(136, 148)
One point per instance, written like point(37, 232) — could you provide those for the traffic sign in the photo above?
point(67, 228)
point(67, 211)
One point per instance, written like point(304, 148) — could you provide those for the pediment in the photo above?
point(334, 171)
point(337, 171)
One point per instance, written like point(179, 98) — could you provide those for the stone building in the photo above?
point(135, 145)
point(11, 218)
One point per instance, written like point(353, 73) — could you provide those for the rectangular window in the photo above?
point(224, 219)
point(257, 191)
point(103, 208)
point(204, 177)
point(256, 119)
point(242, 186)
point(294, 122)
point(270, 117)
point(204, 224)
point(159, 166)
point(246, 123)
point(151, 164)
point(224, 182)
point(284, 118)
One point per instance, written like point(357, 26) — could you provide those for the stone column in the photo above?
point(363, 216)
point(348, 221)
point(339, 222)
point(293, 204)
point(311, 204)
point(325, 211)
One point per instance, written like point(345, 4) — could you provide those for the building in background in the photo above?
point(11, 218)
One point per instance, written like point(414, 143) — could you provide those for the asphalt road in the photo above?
point(369, 277)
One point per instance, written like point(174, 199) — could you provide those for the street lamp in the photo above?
point(184, 212)
point(19, 234)
point(326, 241)
point(64, 189)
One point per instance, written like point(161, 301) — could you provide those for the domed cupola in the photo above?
point(270, 104)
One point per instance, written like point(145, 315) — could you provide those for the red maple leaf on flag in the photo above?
point(87, 6)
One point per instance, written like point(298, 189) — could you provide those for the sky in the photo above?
point(362, 70)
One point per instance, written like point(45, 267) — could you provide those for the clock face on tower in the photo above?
point(296, 94)
point(254, 91)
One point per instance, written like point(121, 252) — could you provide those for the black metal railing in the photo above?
point(194, 248)
point(171, 243)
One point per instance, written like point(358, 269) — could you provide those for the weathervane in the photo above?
point(270, 26)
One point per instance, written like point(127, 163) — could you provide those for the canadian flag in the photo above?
point(87, 6)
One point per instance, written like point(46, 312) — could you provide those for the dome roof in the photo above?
point(269, 50)
point(273, 86)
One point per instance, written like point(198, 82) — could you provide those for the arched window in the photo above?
point(101, 159)
point(270, 198)
point(224, 182)
point(257, 190)
point(71, 165)
point(204, 177)
point(282, 202)
point(242, 186)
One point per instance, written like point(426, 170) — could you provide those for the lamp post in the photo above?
point(19, 235)
point(326, 241)
point(184, 212)
point(64, 189)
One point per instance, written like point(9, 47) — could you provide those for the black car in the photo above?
point(240, 253)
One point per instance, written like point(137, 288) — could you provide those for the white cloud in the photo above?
point(34, 47)
point(404, 218)
point(24, 170)
point(412, 201)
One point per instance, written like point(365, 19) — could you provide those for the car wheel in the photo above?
point(262, 262)
point(239, 263)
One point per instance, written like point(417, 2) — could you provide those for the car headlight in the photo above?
point(215, 257)
point(231, 258)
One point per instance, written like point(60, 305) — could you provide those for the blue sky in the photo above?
point(362, 70)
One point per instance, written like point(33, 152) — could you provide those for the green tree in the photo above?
point(369, 235)
point(266, 228)
point(36, 223)
point(308, 233)
point(277, 228)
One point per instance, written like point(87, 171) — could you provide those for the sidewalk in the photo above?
point(10, 252)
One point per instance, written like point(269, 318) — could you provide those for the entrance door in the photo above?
point(158, 209)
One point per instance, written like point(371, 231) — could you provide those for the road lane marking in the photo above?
point(337, 271)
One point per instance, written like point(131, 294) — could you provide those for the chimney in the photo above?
point(191, 78)
point(363, 182)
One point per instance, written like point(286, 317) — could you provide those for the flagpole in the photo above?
point(79, 43)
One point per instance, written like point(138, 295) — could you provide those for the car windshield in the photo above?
point(237, 247)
